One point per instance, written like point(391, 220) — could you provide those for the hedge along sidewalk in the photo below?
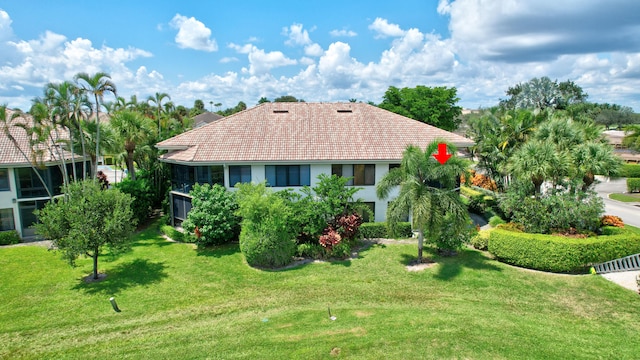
point(560, 254)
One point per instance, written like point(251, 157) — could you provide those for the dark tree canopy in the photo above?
point(287, 98)
point(85, 220)
point(542, 93)
point(432, 105)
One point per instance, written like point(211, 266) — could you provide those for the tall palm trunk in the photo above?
point(420, 244)
point(95, 168)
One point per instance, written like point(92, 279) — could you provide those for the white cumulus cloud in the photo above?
point(384, 29)
point(192, 34)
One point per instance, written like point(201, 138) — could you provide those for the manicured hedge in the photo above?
point(630, 171)
point(633, 184)
point(560, 254)
point(9, 237)
point(374, 230)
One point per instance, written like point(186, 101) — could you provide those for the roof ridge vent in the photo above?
point(280, 111)
point(345, 110)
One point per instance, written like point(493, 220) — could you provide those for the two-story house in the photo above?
point(289, 144)
point(21, 190)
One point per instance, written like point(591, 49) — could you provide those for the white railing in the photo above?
point(627, 263)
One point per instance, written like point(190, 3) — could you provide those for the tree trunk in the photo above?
point(95, 264)
point(95, 169)
point(420, 245)
point(132, 171)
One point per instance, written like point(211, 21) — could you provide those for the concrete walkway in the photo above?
point(626, 279)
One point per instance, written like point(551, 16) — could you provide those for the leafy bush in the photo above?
point(323, 205)
point(630, 171)
point(560, 254)
point(496, 220)
point(633, 184)
point(314, 251)
point(374, 230)
point(611, 220)
point(267, 238)
point(480, 240)
point(9, 237)
point(177, 235)
point(212, 217)
point(552, 211)
point(330, 238)
point(452, 238)
point(142, 193)
point(382, 230)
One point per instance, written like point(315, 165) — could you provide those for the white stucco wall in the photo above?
point(367, 193)
point(8, 200)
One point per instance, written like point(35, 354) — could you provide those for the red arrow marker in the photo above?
point(442, 155)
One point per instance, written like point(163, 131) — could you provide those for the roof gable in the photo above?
point(273, 132)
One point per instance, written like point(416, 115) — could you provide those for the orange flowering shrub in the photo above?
point(611, 220)
point(481, 180)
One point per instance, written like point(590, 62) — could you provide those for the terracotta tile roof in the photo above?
point(10, 155)
point(205, 118)
point(305, 132)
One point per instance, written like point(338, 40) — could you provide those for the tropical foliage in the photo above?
point(85, 220)
point(432, 105)
point(427, 192)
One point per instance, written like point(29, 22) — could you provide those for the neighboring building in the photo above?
point(290, 144)
point(615, 138)
point(205, 118)
point(21, 191)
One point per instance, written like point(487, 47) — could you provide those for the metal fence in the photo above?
point(627, 263)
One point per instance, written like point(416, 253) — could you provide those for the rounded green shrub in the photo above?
point(9, 237)
point(212, 217)
point(633, 184)
point(496, 220)
point(267, 248)
point(480, 240)
point(557, 253)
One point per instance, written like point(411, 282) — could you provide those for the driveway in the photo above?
point(629, 212)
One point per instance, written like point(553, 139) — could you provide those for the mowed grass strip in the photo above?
point(625, 197)
point(180, 302)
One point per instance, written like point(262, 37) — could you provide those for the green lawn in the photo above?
point(625, 197)
point(180, 303)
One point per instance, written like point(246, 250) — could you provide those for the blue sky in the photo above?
point(228, 52)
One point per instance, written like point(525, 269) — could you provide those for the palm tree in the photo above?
point(537, 161)
point(132, 129)
point(157, 100)
point(426, 192)
point(97, 84)
point(7, 121)
point(44, 125)
point(595, 158)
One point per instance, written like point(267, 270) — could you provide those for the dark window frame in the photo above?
point(7, 217)
point(5, 184)
point(239, 174)
point(288, 175)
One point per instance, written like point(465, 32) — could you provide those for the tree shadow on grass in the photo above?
point(139, 272)
point(451, 266)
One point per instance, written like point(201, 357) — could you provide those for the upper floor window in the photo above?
point(239, 174)
point(4, 180)
point(288, 175)
point(363, 174)
point(29, 184)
